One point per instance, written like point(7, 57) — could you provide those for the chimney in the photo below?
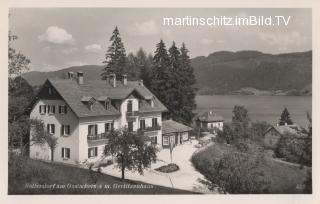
point(124, 79)
point(113, 80)
point(80, 77)
point(141, 82)
point(70, 75)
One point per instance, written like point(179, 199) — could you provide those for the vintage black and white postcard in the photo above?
point(180, 100)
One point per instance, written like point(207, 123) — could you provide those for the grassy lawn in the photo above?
point(25, 174)
point(283, 178)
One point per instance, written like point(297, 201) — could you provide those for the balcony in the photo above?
point(132, 114)
point(101, 136)
point(150, 129)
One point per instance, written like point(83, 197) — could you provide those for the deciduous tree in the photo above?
point(131, 150)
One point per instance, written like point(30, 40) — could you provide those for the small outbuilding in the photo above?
point(174, 133)
point(209, 121)
point(274, 133)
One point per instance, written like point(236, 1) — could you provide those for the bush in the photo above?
point(168, 168)
point(230, 170)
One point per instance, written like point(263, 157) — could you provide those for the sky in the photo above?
point(56, 38)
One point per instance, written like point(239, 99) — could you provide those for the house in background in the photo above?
point(274, 133)
point(81, 113)
point(209, 121)
point(174, 133)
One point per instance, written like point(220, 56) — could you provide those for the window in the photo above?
point(42, 109)
point(129, 106)
point(63, 109)
point(93, 129)
point(130, 126)
point(92, 152)
point(154, 140)
point(108, 127)
point(142, 124)
point(50, 128)
point(107, 105)
point(65, 153)
point(154, 122)
point(51, 109)
point(50, 91)
point(165, 140)
point(65, 130)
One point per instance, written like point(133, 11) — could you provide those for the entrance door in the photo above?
point(172, 140)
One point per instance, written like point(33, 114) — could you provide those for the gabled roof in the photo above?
point(294, 129)
point(73, 94)
point(171, 126)
point(209, 116)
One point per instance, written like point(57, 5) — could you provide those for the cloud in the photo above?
point(69, 51)
point(148, 28)
point(93, 48)
point(56, 35)
point(283, 40)
point(209, 41)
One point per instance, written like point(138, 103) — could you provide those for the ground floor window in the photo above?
point(154, 139)
point(65, 153)
point(92, 152)
point(165, 140)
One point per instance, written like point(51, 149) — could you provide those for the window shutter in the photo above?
point(59, 109)
point(88, 152)
point(53, 127)
point(62, 130)
point(45, 108)
point(40, 109)
point(112, 126)
point(65, 109)
point(54, 109)
point(62, 152)
point(48, 128)
point(96, 129)
point(96, 151)
point(68, 129)
point(68, 152)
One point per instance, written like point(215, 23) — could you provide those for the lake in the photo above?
point(262, 108)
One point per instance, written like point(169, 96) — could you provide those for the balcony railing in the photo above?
point(101, 136)
point(133, 114)
point(149, 129)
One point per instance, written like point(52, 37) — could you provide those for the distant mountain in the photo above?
point(243, 72)
point(253, 72)
point(36, 78)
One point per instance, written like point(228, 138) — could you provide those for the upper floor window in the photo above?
point(51, 109)
point(154, 122)
point(42, 109)
point(50, 91)
point(129, 106)
point(65, 153)
point(108, 127)
point(65, 130)
point(93, 129)
point(63, 109)
point(50, 128)
point(142, 124)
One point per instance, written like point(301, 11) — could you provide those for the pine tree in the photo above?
point(144, 64)
point(285, 118)
point(188, 84)
point(115, 56)
point(160, 74)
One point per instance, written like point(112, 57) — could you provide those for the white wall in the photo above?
point(58, 120)
point(218, 125)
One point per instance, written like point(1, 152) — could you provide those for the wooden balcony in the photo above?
point(150, 129)
point(101, 136)
point(132, 114)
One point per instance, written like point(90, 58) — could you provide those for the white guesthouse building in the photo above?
point(80, 112)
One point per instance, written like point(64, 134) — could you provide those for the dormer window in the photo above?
point(107, 104)
point(89, 101)
point(129, 106)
